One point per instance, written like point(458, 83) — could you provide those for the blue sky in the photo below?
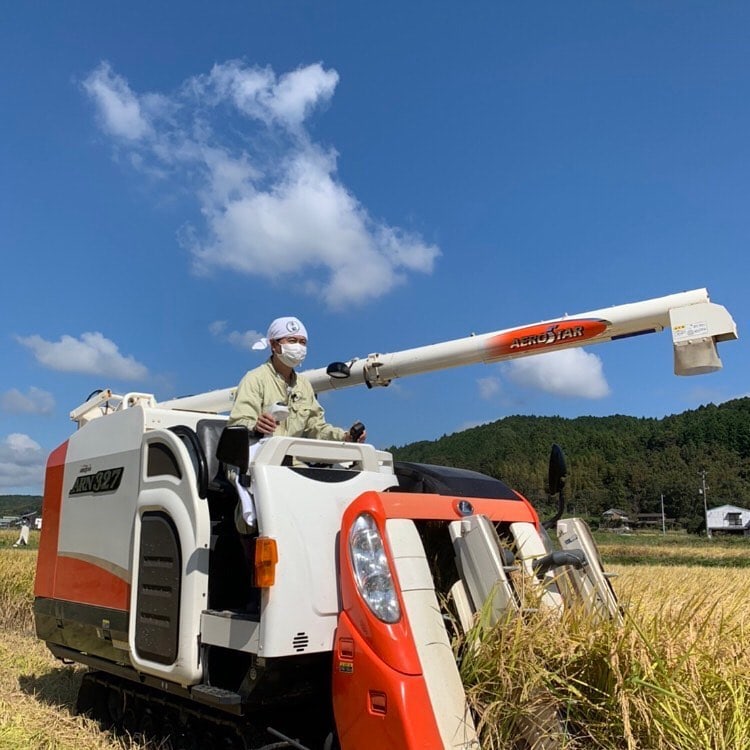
point(173, 176)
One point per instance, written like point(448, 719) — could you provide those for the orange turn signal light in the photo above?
point(266, 557)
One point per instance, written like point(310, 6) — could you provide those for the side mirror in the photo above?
point(558, 470)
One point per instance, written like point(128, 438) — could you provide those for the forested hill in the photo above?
point(14, 505)
point(613, 462)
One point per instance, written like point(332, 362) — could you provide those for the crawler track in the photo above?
point(169, 722)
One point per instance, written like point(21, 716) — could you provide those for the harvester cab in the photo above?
point(292, 592)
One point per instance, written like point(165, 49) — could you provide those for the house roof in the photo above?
point(729, 509)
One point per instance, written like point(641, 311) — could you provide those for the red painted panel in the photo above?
point(44, 583)
point(61, 577)
point(408, 722)
point(393, 643)
point(445, 507)
point(86, 583)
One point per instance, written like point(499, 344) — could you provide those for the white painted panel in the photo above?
point(304, 517)
point(444, 686)
point(103, 444)
point(530, 547)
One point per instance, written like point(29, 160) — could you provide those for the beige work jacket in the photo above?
point(263, 387)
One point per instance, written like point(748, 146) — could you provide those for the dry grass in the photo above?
point(37, 693)
point(667, 555)
point(674, 549)
point(17, 567)
point(37, 696)
point(676, 676)
point(8, 538)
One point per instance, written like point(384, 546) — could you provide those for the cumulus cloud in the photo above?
point(270, 197)
point(242, 340)
point(121, 112)
point(569, 372)
point(21, 462)
point(259, 94)
point(35, 401)
point(92, 354)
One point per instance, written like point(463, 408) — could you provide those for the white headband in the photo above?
point(279, 329)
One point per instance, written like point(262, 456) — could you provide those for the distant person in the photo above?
point(23, 537)
point(277, 383)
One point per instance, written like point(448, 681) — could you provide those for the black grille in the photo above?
point(158, 606)
point(300, 641)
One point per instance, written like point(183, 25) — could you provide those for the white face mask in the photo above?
point(292, 355)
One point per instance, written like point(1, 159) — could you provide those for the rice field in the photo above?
point(675, 676)
point(37, 692)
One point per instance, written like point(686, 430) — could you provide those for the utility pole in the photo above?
point(663, 521)
point(702, 491)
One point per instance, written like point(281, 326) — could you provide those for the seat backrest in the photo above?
point(209, 432)
point(233, 448)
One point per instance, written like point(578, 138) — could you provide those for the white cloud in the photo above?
point(236, 338)
point(92, 354)
point(217, 328)
point(298, 92)
point(259, 94)
point(489, 387)
point(21, 462)
point(118, 107)
point(569, 372)
point(271, 200)
point(307, 222)
point(36, 401)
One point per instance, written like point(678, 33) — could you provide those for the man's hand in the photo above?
point(266, 424)
point(357, 433)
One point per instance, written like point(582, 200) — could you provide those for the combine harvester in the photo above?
point(323, 629)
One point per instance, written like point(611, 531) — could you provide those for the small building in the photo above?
point(655, 521)
point(615, 519)
point(730, 519)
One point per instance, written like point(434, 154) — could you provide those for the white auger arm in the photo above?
point(696, 323)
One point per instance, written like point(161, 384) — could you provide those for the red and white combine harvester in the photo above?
point(326, 627)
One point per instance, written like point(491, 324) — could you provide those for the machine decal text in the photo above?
point(107, 480)
point(544, 335)
point(552, 335)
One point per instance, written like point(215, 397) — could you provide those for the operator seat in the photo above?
point(209, 432)
point(230, 574)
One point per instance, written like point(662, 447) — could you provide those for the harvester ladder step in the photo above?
point(216, 696)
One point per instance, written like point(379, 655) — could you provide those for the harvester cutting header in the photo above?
point(327, 625)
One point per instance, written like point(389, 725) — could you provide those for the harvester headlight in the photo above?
point(371, 570)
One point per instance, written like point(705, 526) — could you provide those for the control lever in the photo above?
point(356, 431)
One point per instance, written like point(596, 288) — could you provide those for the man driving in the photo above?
point(264, 391)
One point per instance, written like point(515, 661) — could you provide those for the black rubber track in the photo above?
point(165, 722)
